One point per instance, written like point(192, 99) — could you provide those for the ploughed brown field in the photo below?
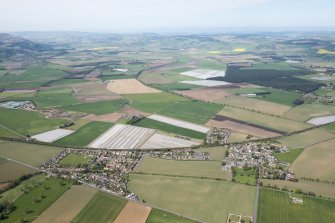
point(133, 212)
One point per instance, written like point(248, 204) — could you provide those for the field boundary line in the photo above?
point(313, 144)
point(12, 130)
point(24, 164)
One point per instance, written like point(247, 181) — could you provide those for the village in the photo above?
point(258, 155)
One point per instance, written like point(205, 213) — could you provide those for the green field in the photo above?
point(274, 206)
point(217, 152)
point(330, 127)
point(75, 160)
point(27, 122)
point(245, 176)
point(205, 200)
point(8, 133)
point(210, 169)
point(27, 153)
point(10, 171)
point(149, 123)
point(159, 216)
point(54, 97)
point(98, 108)
point(289, 156)
point(84, 135)
point(36, 199)
point(192, 111)
point(175, 86)
point(153, 102)
point(103, 208)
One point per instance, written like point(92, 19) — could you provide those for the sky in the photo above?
point(163, 15)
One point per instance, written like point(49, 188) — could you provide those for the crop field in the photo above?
point(102, 208)
point(237, 137)
point(242, 128)
point(322, 120)
point(112, 117)
point(10, 171)
point(316, 161)
point(98, 108)
point(153, 102)
point(216, 152)
point(330, 127)
point(27, 122)
point(175, 86)
point(149, 123)
point(31, 154)
point(193, 111)
point(75, 160)
point(54, 97)
point(159, 216)
point(84, 135)
point(210, 169)
point(9, 133)
point(289, 156)
point(52, 135)
point(31, 204)
point(205, 200)
point(274, 206)
point(263, 120)
point(204, 73)
point(129, 86)
point(179, 123)
point(133, 212)
point(206, 94)
point(161, 141)
point(67, 206)
point(304, 139)
point(207, 83)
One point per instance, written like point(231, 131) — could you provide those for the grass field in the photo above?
point(27, 122)
point(159, 216)
point(153, 102)
point(149, 123)
point(31, 154)
point(206, 200)
point(274, 207)
point(290, 156)
point(67, 206)
point(8, 133)
point(316, 162)
point(36, 199)
point(211, 169)
point(84, 135)
point(75, 160)
point(304, 139)
point(217, 152)
point(263, 120)
point(98, 108)
point(175, 86)
point(245, 176)
point(192, 111)
point(54, 97)
point(10, 171)
point(102, 208)
point(330, 127)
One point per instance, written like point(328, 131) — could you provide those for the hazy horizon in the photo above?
point(166, 16)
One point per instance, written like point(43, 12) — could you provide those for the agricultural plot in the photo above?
point(207, 83)
point(289, 156)
point(10, 171)
point(84, 135)
point(98, 108)
point(27, 122)
point(322, 120)
point(179, 123)
point(210, 169)
point(122, 137)
point(316, 161)
point(133, 212)
point(206, 94)
point(149, 123)
point(52, 135)
point(205, 200)
point(112, 117)
point(75, 160)
point(102, 208)
point(30, 154)
point(204, 73)
point(238, 137)
point(68, 206)
point(273, 122)
point(216, 152)
point(274, 206)
point(305, 139)
point(160, 141)
point(129, 86)
point(175, 86)
point(159, 216)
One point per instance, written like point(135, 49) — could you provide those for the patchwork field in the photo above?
point(263, 120)
point(84, 135)
point(27, 122)
point(206, 200)
point(304, 139)
point(10, 171)
point(274, 207)
point(52, 135)
point(210, 169)
point(102, 208)
point(98, 108)
point(31, 154)
point(316, 162)
point(129, 86)
point(67, 206)
point(133, 212)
